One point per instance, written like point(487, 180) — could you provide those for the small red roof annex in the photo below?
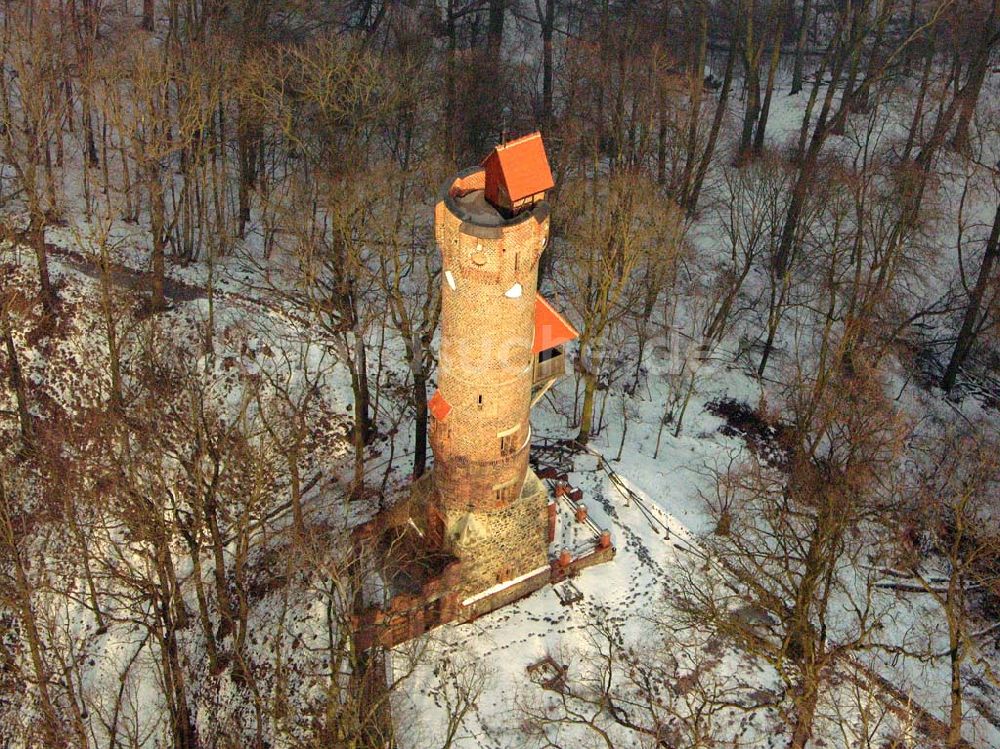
point(521, 166)
point(440, 408)
point(551, 328)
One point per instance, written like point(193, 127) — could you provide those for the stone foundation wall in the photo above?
point(498, 546)
point(551, 574)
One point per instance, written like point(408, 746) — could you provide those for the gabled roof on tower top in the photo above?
point(551, 328)
point(523, 166)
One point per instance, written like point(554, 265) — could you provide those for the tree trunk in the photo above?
point(781, 265)
point(772, 71)
point(363, 392)
point(295, 485)
point(969, 99)
point(691, 199)
point(36, 233)
point(17, 380)
point(248, 143)
point(203, 612)
point(90, 145)
point(494, 27)
point(750, 114)
point(966, 96)
point(697, 86)
point(918, 109)
point(450, 103)
point(358, 433)
point(781, 269)
point(805, 711)
point(157, 224)
point(717, 327)
point(800, 47)
point(955, 709)
point(52, 726)
point(219, 569)
point(173, 674)
point(838, 123)
point(148, 14)
point(751, 82)
point(587, 413)
point(420, 429)
point(548, 25)
point(968, 332)
point(772, 331)
point(861, 100)
point(111, 331)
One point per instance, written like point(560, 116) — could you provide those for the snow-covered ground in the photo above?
point(631, 597)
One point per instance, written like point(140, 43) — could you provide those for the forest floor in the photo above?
point(622, 600)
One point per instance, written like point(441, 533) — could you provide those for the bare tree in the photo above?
point(14, 373)
point(852, 28)
point(750, 212)
point(668, 690)
point(611, 226)
point(801, 37)
point(794, 542)
point(408, 276)
point(976, 315)
point(341, 98)
point(951, 504)
point(17, 590)
point(31, 118)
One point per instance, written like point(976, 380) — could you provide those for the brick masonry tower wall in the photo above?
point(485, 369)
point(494, 521)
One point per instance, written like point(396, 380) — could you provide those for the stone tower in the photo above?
point(490, 510)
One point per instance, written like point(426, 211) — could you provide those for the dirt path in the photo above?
point(125, 277)
point(122, 275)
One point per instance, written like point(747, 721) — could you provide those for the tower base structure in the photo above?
point(447, 566)
point(500, 545)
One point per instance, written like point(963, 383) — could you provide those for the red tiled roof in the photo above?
point(439, 407)
point(524, 166)
point(551, 328)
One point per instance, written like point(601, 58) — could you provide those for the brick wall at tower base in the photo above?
point(409, 616)
point(553, 573)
